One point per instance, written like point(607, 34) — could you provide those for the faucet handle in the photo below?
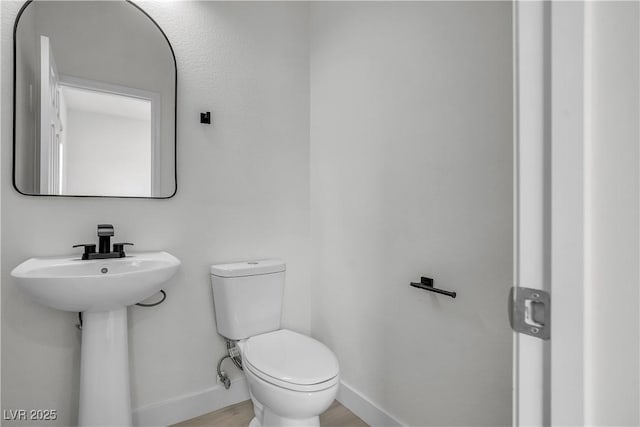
point(105, 230)
point(89, 248)
point(119, 247)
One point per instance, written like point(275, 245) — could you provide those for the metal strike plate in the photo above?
point(530, 312)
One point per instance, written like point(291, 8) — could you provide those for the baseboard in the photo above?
point(182, 408)
point(191, 405)
point(364, 408)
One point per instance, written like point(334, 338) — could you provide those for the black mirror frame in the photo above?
point(175, 114)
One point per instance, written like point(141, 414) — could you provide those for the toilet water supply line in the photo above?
point(233, 353)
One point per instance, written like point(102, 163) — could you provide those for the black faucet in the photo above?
point(105, 232)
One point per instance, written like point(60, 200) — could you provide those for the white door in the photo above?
point(51, 128)
point(532, 269)
point(549, 52)
point(577, 105)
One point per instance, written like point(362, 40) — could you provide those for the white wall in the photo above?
point(107, 154)
point(243, 193)
point(411, 173)
point(613, 323)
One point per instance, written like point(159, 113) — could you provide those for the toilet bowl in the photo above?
point(292, 378)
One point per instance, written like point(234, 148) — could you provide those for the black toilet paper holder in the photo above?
point(426, 283)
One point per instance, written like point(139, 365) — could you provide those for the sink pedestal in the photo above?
point(101, 289)
point(105, 396)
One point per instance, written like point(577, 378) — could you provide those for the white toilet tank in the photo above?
point(247, 297)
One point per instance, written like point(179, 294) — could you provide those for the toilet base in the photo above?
point(266, 418)
point(277, 421)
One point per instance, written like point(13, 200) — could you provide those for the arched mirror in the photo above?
point(94, 101)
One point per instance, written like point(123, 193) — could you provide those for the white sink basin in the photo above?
point(72, 284)
point(102, 290)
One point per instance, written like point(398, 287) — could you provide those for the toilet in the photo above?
point(292, 378)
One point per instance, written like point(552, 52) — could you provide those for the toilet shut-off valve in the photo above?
point(233, 353)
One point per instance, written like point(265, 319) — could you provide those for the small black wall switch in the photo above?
point(205, 118)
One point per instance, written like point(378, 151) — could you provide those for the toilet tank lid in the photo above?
point(248, 268)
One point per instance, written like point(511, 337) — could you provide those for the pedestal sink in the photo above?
point(101, 290)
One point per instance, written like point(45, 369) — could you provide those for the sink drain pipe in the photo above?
point(233, 353)
point(164, 297)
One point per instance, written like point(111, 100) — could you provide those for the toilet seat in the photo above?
point(291, 360)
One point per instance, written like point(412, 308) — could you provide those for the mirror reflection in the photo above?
point(94, 101)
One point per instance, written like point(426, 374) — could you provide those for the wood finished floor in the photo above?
point(240, 414)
